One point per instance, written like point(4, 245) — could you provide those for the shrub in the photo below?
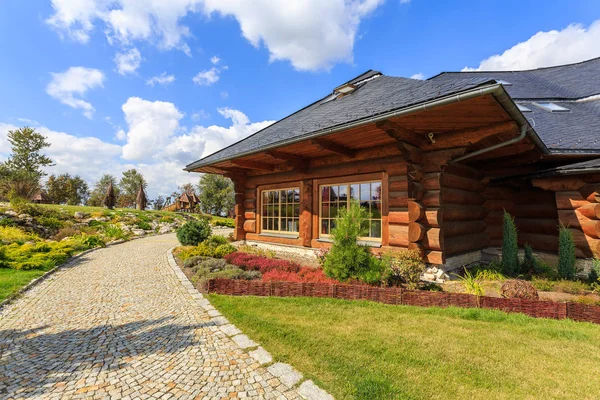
point(510, 247)
point(594, 274)
point(194, 232)
point(143, 225)
point(229, 223)
point(257, 251)
point(89, 241)
point(4, 221)
point(566, 254)
point(213, 268)
point(114, 232)
point(193, 261)
point(321, 255)
point(528, 265)
point(9, 234)
point(306, 274)
point(166, 219)
point(489, 275)
point(347, 259)
point(405, 266)
point(471, 284)
point(562, 286)
point(50, 222)
point(216, 240)
point(519, 289)
point(211, 265)
point(252, 262)
point(66, 232)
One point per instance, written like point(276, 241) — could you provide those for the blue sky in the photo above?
point(58, 70)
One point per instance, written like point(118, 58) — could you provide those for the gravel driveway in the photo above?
point(118, 323)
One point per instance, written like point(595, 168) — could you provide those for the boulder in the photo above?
point(11, 213)
point(518, 289)
point(138, 232)
point(80, 215)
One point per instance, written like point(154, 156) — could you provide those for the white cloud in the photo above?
point(151, 126)
point(128, 62)
point(546, 49)
point(207, 78)
point(224, 95)
point(162, 79)
point(311, 34)
point(197, 116)
point(75, 81)
point(418, 76)
point(156, 145)
point(215, 60)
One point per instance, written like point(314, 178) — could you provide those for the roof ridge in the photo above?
point(516, 70)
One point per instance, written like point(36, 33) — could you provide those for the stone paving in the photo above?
point(118, 323)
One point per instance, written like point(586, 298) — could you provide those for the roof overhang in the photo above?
point(493, 88)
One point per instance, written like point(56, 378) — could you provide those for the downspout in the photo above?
point(496, 146)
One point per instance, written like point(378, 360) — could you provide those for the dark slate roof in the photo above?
point(376, 96)
point(566, 132)
point(567, 82)
point(562, 132)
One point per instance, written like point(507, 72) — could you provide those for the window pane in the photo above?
point(297, 211)
point(296, 225)
point(332, 224)
point(334, 193)
point(296, 195)
point(265, 197)
point(271, 198)
point(284, 210)
point(276, 224)
point(376, 191)
point(325, 193)
point(325, 226)
point(365, 191)
point(376, 210)
point(365, 205)
point(275, 197)
point(284, 224)
point(375, 229)
point(325, 210)
point(333, 210)
point(343, 193)
point(354, 192)
point(276, 211)
point(270, 224)
point(264, 223)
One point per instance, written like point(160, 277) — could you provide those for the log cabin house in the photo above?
point(434, 161)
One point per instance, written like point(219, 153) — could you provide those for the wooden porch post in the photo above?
point(239, 185)
point(306, 212)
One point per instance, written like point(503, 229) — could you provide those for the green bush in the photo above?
point(142, 224)
point(405, 266)
point(89, 241)
point(50, 222)
point(193, 261)
point(566, 254)
point(194, 232)
point(66, 232)
point(528, 265)
point(229, 223)
point(347, 259)
point(216, 240)
point(510, 247)
point(594, 275)
point(114, 232)
point(7, 222)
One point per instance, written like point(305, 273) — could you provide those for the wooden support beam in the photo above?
point(466, 137)
point(254, 165)
point(297, 162)
point(399, 133)
point(334, 147)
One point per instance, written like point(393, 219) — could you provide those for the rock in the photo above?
point(138, 232)
point(11, 213)
point(164, 229)
point(80, 215)
point(518, 289)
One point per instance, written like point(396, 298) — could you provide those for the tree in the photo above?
point(67, 189)
point(140, 200)
point(159, 203)
point(129, 185)
point(510, 246)
point(20, 174)
point(187, 188)
point(97, 195)
point(109, 198)
point(217, 195)
point(566, 254)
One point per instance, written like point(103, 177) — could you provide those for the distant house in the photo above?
point(186, 202)
point(41, 197)
point(434, 162)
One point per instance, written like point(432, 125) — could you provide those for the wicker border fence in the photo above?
point(395, 295)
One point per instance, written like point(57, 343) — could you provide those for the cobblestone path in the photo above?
point(118, 323)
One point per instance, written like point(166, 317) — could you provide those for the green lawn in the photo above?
point(12, 280)
point(365, 350)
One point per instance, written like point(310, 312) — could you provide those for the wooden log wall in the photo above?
point(534, 211)
point(462, 206)
point(579, 210)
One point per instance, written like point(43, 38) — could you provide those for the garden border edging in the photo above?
point(287, 374)
point(398, 296)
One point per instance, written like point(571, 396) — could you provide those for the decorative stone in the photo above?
point(261, 356)
point(244, 341)
point(308, 390)
point(80, 215)
point(230, 330)
point(286, 374)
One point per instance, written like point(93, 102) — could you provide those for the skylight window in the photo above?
point(552, 107)
point(329, 98)
point(522, 108)
point(503, 82)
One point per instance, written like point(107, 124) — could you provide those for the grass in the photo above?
point(365, 350)
point(12, 280)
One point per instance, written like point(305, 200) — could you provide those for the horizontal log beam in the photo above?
point(334, 147)
point(294, 161)
point(466, 137)
point(400, 133)
point(462, 228)
point(463, 244)
point(254, 165)
point(570, 200)
point(398, 235)
point(574, 219)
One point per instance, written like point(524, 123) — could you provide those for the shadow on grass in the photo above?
point(35, 362)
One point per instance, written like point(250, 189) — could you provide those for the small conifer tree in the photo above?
point(528, 260)
point(141, 201)
point(566, 254)
point(109, 199)
point(510, 247)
